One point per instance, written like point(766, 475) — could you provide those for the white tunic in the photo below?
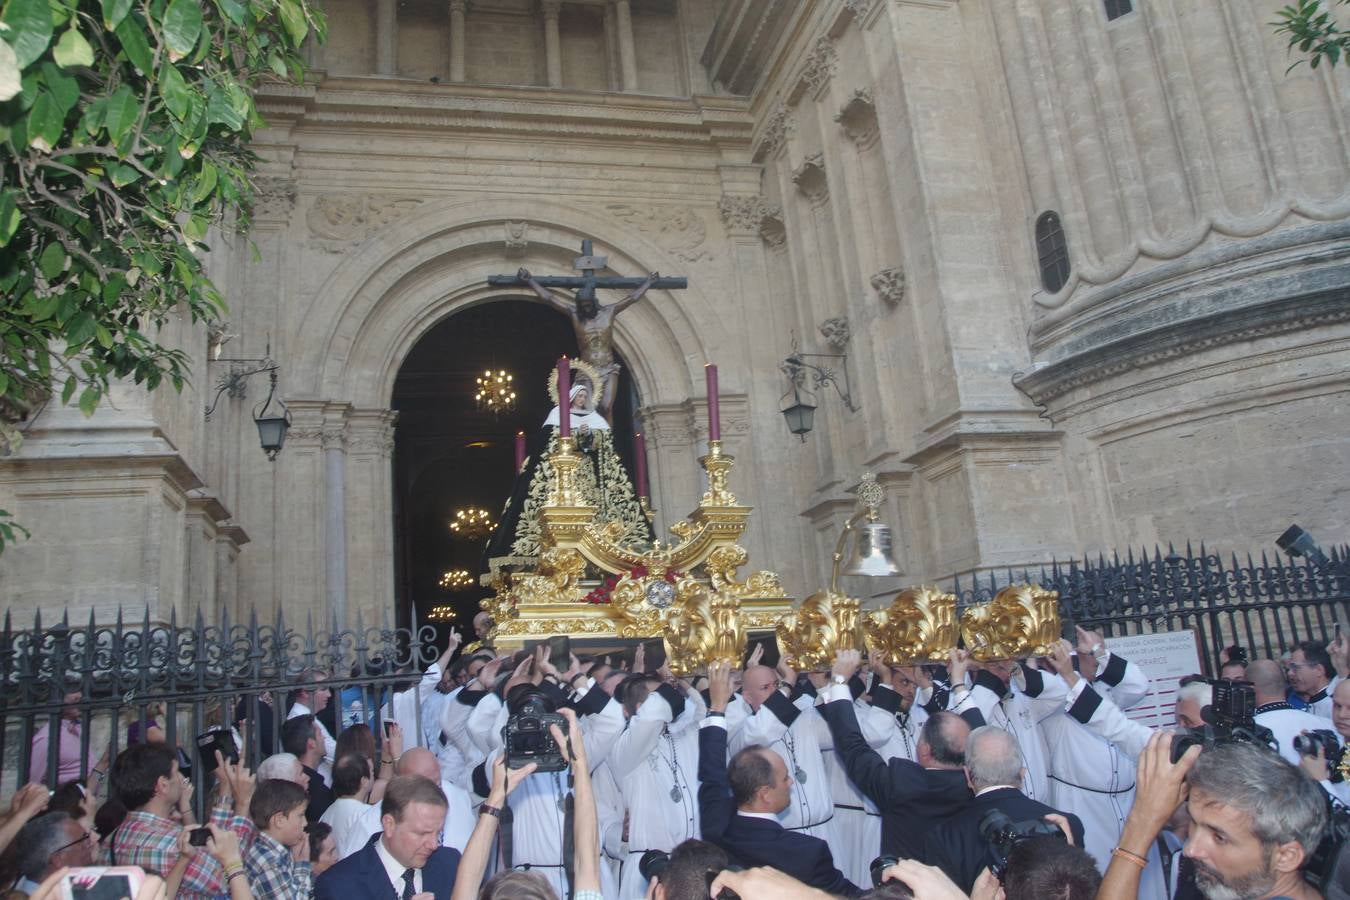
point(342, 817)
point(811, 808)
point(1287, 723)
point(406, 706)
point(455, 726)
point(1025, 702)
point(654, 758)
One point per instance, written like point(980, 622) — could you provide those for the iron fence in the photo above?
point(1264, 606)
point(192, 677)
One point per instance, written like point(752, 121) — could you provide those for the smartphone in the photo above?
point(102, 883)
point(199, 836)
point(654, 653)
point(560, 652)
point(216, 739)
point(1068, 630)
point(388, 724)
point(771, 653)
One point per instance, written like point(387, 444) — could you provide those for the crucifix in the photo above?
point(592, 320)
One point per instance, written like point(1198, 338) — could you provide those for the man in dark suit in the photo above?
point(739, 804)
point(994, 772)
point(405, 861)
point(913, 797)
point(302, 737)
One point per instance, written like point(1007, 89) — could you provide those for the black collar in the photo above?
point(1272, 707)
point(1318, 697)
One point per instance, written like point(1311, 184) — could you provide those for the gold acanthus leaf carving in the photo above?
point(826, 622)
point(559, 572)
point(704, 625)
point(636, 618)
point(722, 565)
point(1022, 620)
point(918, 626)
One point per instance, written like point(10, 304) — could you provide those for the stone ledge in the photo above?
point(1171, 339)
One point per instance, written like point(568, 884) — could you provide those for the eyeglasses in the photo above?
point(79, 840)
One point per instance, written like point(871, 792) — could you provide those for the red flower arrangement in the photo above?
point(606, 588)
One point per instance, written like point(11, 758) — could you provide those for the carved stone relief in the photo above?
point(810, 178)
point(771, 227)
point(677, 229)
point(778, 127)
point(820, 66)
point(516, 238)
point(858, 118)
point(273, 198)
point(836, 332)
point(889, 284)
point(741, 213)
point(353, 217)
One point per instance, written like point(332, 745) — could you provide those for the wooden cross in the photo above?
point(586, 283)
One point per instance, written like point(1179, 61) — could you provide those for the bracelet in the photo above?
point(386, 762)
point(233, 870)
point(1122, 853)
point(494, 811)
point(236, 873)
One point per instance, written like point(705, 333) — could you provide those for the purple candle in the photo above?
point(640, 463)
point(520, 450)
point(714, 413)
point(564, 397)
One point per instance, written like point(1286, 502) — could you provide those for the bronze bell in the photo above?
point(872, 552)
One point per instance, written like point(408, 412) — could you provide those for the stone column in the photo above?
point(552, 42)
point(457, 40)
point(623, 26)
point(370, 518)
point(386, 37)
point(335, 519)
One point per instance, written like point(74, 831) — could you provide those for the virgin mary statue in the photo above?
point(602, 481)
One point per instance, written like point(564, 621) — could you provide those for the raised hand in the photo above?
point(488, 674)
point(719, 685)
point(571, 743)
point(928, 882)
point(640, 659)
point(505, 780)
point(847, 663)
point(755, 656)
point(29, 801)
point(785, 671)
point(455, 640)
point(1059, 658)
point(958, 663)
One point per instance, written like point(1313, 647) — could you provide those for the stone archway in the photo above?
point(374, 308)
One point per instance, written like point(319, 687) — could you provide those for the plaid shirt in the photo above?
point(151, 842)
point(274, 873)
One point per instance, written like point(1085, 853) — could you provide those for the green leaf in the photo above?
point(222, 109)
point(135, 45)
point(65, 89)
point(11, 81)
point(293, 17)
point(10, 217)
point(206, 183)
point(103, 336)
point(45, 122)
point(73, 50)
point(232, 10)
point(123, 175)
point(181, 27)
point(81, 328)
point(177, 95)
point(89, 398)
point(52, 261)
point(30, 28)
point(114, 11)
point(121, 113)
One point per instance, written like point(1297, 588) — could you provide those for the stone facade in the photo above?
point(875, 166)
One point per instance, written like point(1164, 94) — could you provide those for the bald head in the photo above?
point(993, 759)
point(1267, 678)
point(419, 761)
point(758, 684)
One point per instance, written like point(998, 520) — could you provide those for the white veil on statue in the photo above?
point(587, 416)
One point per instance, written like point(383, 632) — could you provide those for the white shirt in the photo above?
point(1286, 724)
point(458, 825)
point(406, 706)
point(395, 869)
point(342, 817)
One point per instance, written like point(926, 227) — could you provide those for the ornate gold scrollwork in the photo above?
point(918, 626)
point(721, 567)
point(718, 466)
point(704, 625)
point(826, 622)
point(559, 572)
point(639, 605)
point(1022, 620)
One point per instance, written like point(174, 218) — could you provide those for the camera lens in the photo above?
point(653, 864)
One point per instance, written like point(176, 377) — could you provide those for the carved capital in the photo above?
point(304, 436)
point(889, 284)
point(810, 178)
point(820, 66)
point(778, 127)
point(550, 8)
point(333, 438)
point(741, 214)
point(458, 7)
point(273, 199)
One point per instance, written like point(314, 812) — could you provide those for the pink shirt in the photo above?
point(67, 754)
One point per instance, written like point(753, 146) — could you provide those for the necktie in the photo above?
point(408, 889)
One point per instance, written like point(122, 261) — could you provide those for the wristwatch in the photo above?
point(838, 679)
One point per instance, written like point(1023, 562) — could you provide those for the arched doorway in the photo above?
point(450, 454)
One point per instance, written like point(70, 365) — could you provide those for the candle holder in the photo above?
point(717, 464)
point(647, 510)
point(565, 462)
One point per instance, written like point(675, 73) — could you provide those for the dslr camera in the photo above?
point(526, 738)
point(1002, 834)
point(1230, 719)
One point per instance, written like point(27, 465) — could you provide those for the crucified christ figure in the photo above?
point(594, 326)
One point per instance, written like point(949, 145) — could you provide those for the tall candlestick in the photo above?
point(714, 412)
point(520, 451)
point(640, 463)
point(564, 397)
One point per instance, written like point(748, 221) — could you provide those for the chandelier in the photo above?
point(496, 391)
point(472, 523)
point(441, 614)
point(457, 580)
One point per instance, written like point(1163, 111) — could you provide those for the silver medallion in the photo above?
point(676, 794)
point(801, 775)
point(659, 593)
